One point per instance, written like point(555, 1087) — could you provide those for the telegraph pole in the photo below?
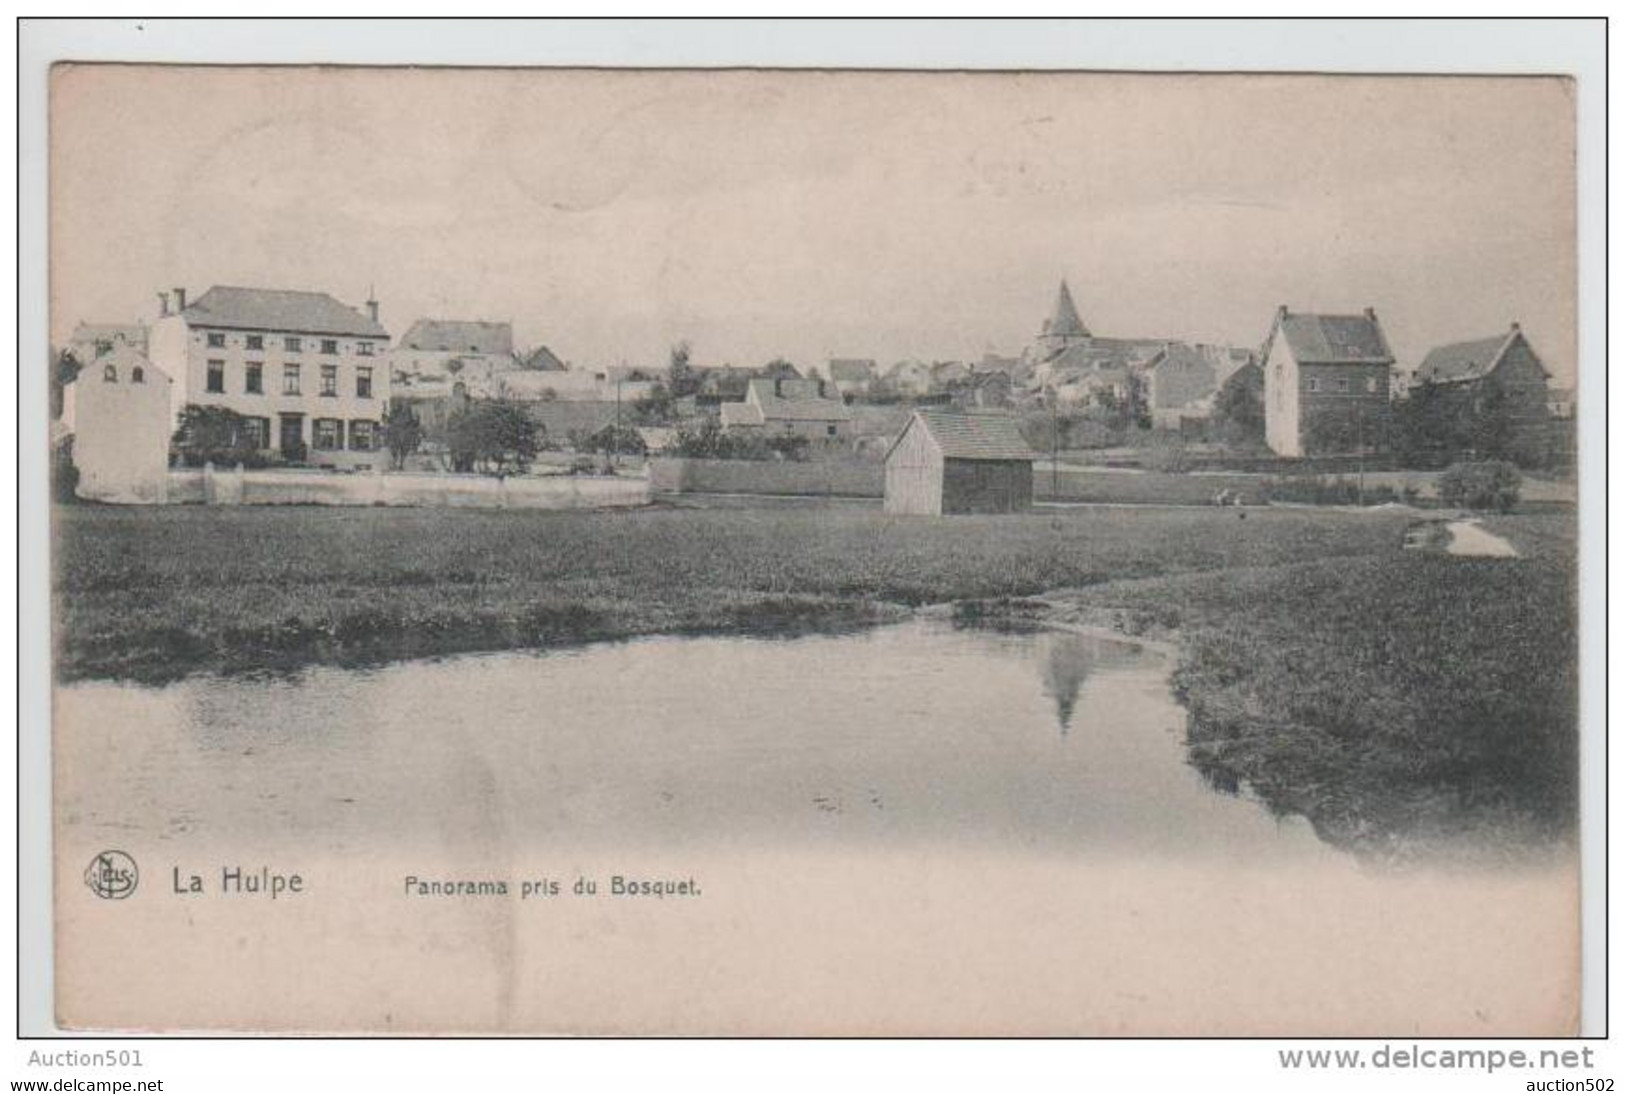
point(1054, 448)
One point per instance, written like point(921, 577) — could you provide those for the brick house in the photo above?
point(1502, 368)
point(1326, 381)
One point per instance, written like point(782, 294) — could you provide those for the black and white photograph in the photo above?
point(772, 552)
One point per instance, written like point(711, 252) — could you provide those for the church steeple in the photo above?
point(1063, 325)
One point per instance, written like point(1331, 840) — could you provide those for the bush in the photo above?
point(64, 475)
point(1489, 484)
point(1309, 489)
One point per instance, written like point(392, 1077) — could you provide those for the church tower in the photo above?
point(1063, 328)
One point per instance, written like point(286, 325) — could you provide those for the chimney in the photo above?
point(163, 304)
point(778, 386)
point(180, 300)
point(372, 310)
point(1515, 325)
point(1371, 314)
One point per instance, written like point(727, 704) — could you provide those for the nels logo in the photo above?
point(112, 875)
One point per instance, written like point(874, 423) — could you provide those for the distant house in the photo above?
point(909, 377)
point(852, 376)
point(1560, 403)
point(1326, 381)
point(119, 411)
point(1182, 381)
point(805, 408)
point(92, 341)
point(945, 462)
point(1501, 367)
point(435, 353)
point(542, 359)
point(989, 390)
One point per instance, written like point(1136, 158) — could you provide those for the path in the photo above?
point(1467, 538)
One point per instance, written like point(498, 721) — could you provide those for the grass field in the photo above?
point(1388, 696)
point(1377, 691)
point(155, 592)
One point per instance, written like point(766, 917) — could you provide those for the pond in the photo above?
point(923, 810)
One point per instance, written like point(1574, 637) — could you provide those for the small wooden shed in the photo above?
point(946, 462)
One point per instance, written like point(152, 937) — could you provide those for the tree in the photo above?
point(403, 433)
point(779, 369)
point(217, 434)
point(64, 369)
point(657, 406)
point(492, 436)
point(613, 439)
point(683, 380)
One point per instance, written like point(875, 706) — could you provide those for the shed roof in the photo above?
point(278, 310)
point(972, 436)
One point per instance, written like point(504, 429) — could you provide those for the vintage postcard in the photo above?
point(548, 551)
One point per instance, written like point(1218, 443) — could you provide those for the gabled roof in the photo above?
point(971, 436)
point(1064, 320)
point(237, 308)
point(544, 360)
point(459, 336)
point(123, 359)
point(797, 401)
point(1334, 339)
point(1462, 361)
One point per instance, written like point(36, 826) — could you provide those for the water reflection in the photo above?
point(918, 733)
point(1069, 660)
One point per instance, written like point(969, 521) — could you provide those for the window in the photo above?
point(362, 436)
point(330, 345)
point(256, 341)
point(110, 375)
point(257, 432)
point(104, 346)
point(330, 380)
point(832, 431)
point(216, 379)
point(329, 434)
point(363, 383)
point(1314, 383)
point(217, 340)
point(363, 349)
point(291, 344)
point(1343, 384)
point(290, 379)
point(138, 375)
point(1371, 385)
point(254, 378)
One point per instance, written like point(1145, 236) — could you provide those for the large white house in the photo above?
point(307, 372)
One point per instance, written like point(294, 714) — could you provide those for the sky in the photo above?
point(817, 214)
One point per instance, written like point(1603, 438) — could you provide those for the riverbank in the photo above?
point(1395, 700)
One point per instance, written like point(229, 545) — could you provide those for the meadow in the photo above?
point(153, 593)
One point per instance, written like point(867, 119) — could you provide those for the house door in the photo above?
point(292, 440)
